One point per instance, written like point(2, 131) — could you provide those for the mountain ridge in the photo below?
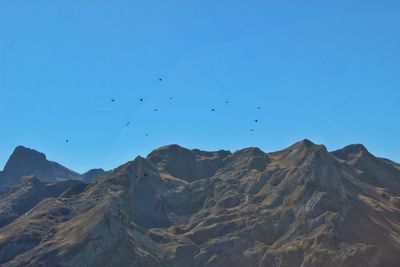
point(300, 206)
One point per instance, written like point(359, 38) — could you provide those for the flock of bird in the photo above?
point(128, 123)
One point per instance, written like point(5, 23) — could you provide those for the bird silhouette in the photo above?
point(112, 99)
point(146, 134)
point(258, 107)
point(226, 102)
point(141, 99)
point(252, 130)
point(155, 109)
point(213, 109)
point(171, 98)
point(256, 120)
point(67, 140)
point(160, 79)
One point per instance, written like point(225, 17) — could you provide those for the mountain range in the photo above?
point(301, 206)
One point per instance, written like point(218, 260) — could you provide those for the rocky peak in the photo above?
point(351, 151)
point(25, 161)
point(251, 158)
point(92, 174)
point(375, 171)
point(295, 154)
point(249, 152)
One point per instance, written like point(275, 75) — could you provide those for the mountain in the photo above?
point(92, 174)
point(25, 161)
point(375, 171)
point(301, 206)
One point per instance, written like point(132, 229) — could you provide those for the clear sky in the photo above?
point(328, 71)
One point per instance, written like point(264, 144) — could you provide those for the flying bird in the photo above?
point(171, 98)
point(67, 140)
point(160, 79)
point(258, 107)
point(252, 130)
point(141, 99)
point(146, 134)
point(213, 109)
point(256, 120)
point(155, 109)
point(226, 102)
point(112, 99)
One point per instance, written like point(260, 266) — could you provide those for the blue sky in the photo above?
point(323, 70)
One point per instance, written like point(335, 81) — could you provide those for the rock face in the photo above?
point(24, 161)
point(301, 206)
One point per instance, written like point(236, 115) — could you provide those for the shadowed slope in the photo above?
point(29, 191)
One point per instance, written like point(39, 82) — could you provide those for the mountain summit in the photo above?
point(25, 161)
point(300, 206)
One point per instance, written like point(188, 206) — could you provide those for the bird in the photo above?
point(160, 79)
point(146, 134)
point(155, 109)
point(171, 98)
point(226, 102)
point(67, 140)
point(141, 99)
point(112, 99)
point(256, 120)
point(128, 123)
point(213, 109)
point(252, 130)
point(258, 107)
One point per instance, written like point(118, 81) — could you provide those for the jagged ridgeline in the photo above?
point(301, 206)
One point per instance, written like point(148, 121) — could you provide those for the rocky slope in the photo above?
point(301, 206)
point(25, 161)
point(29, 191)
